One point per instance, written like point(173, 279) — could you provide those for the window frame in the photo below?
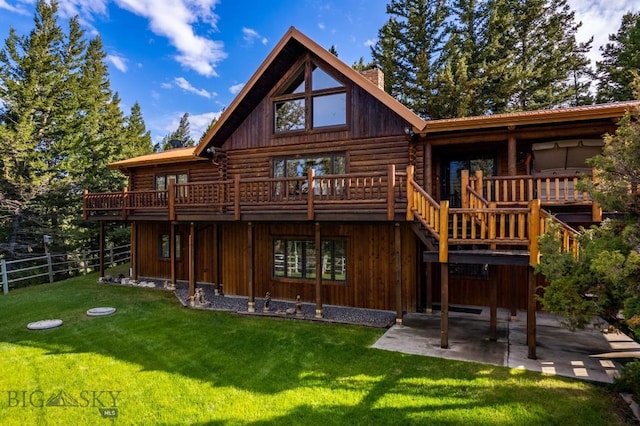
point(304, 274)
point(164, 242)
point(308, 96)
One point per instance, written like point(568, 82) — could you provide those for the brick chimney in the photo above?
point(375, 76)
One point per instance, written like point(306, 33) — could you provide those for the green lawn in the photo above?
point(157, 362)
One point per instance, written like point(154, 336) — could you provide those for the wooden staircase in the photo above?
point(504, 232)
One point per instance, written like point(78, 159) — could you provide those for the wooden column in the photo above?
point(318, 243)
point(410, 171)
point(596, 210)
point(398, 267)
point(101, 250)
point(252, 298)
point(391, 194)
point(534, 259)
point(172, 253)
point(171, 199)
point(310, 194)
point(511, 156)
point(429, 281)
point(443, 257)
point(464, 189)
point(134, 251)
point(216, 276)
point(428, 168)
point(444, 305)
point(192, 259)
point(531, 314)
point(493, 309)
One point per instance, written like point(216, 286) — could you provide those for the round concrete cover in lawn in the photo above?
point(44, 324)
point(102, 311)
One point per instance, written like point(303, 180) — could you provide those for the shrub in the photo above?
point(629, 380)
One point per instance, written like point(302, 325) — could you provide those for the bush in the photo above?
point(629, 380)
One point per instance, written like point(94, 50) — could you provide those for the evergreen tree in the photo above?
point(136, 139)
point(32, 87)
point(408, 52)
point(619, 58)
point(549, 67)
point(60, 124)
point(182, 135)
point(359, 65)
point(333, 50)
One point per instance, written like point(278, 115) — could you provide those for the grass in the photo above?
point(159, 363)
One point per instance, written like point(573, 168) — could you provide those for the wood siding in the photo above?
point(370, 263)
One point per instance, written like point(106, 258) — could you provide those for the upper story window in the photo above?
point(162, 181)
point(311, 99)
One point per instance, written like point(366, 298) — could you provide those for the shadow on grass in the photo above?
point(273, 356)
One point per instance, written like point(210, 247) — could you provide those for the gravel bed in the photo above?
point(331, 313)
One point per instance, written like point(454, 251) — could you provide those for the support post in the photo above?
point(410, 201)
point(192, 259)
point(398, 268)
point(534, 259)
point(464, 189)
point(101, 250)
point(444, 302)
point(531, 314)
point(50, 267)
point(236, 197)
point(134, 251)
point(429, 281)
point(172, 254)
point(511, 156)
point(391, 187)
point(251, 306)
point(5, 279)
point(125, 202)
point(171, 199)
point(596, 210)
point(318, 243)
point(493, 310)
point(443, 245)
point(428, 168)
point(310, 194)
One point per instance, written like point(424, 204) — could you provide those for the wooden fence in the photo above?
point(57, 266)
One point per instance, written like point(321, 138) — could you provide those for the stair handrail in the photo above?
point(421, 206)
point(568, 235)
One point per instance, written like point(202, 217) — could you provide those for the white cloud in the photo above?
point(118, 61)
point(175, 20)
point(200, 122)
point(599, 19)
point(321, 25)
point(15, 9)
point(182, 83)
point(370, 42)
point(236, 88)
point(166, 85)
point(250, 35)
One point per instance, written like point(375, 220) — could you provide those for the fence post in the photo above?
point(5, 281)
point(50, 267)
point(84, 261)
point(111, 256)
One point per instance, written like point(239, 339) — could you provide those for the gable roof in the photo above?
point(288, 50)
point(523, 118)
point(178, 155)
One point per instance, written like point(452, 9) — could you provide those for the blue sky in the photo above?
point(177, 56)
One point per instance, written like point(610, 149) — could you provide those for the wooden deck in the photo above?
point(499, 214)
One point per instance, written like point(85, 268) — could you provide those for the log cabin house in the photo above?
point(315, 182)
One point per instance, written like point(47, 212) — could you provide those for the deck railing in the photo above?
point(516, 225)
point(557, 189)
point(310, 193)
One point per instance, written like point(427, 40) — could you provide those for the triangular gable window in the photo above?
point(311, 99)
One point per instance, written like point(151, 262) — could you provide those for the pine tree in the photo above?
point(136, 139)
point(619, 58)
point(549, 67)
point(408, 52)
point(32, 87)
point(182, 135)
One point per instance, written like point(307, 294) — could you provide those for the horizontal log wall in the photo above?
point(143, 178)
